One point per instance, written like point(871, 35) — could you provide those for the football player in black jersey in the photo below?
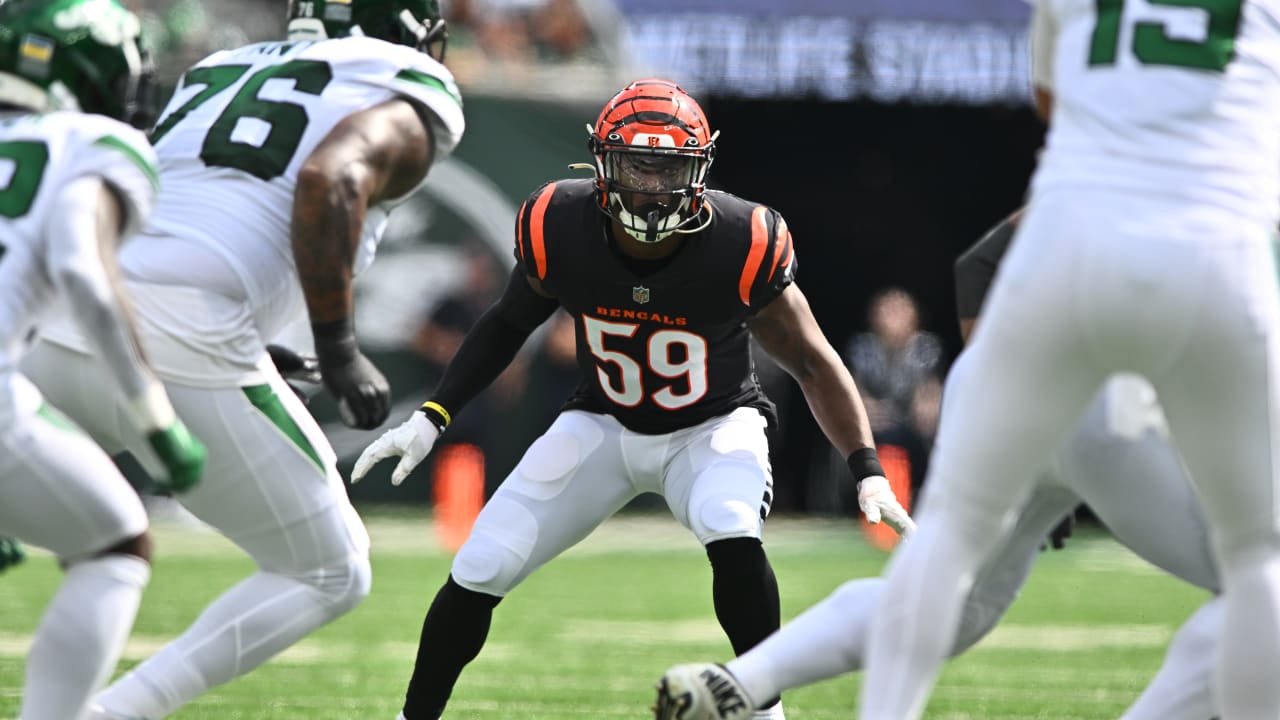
point(664, 280)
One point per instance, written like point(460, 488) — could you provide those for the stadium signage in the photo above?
point(974, 59)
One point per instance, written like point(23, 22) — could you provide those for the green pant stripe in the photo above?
point(54, 417)
point(264, 398)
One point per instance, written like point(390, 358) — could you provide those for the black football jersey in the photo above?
point(975, 269)
point(669, 349)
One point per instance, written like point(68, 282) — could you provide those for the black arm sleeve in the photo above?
point(494, 341)
point(976, 268)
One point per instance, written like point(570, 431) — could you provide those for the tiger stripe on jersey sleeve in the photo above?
point(770, 263)
point(782, 257)
point(520, 233)
point(531, 243)
point(755, 256)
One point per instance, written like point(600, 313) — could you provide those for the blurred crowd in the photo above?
point(491, 42)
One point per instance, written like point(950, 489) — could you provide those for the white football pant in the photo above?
point(270, 486)
point(1096, 283)
point(1120, 461)
point(60, 491)
point(714, 476)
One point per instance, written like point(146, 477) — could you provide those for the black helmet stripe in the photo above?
point(653, 117)
point(620, 103)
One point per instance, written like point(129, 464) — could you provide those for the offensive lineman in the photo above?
point(663, 281)
point(280, 161)
point(1146, 247)
point(1118, 460)
point(75, 181)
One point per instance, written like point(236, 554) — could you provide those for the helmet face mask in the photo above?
point(650, 173)
point(652, 147)
point(416, 23)
point(84, 55)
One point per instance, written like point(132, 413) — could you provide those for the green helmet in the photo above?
point(416, 23)
point(85, 55)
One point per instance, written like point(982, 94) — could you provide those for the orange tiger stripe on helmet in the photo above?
point(536, 238)
point(652, 116)
point(657, 96)
point(755, 256)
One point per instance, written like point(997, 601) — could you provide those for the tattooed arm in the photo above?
point(371, 156)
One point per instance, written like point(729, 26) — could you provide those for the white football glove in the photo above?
point(876, 499)
point(412, 440)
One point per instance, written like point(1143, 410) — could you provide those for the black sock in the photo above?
point(745, 593)
point(452, 634)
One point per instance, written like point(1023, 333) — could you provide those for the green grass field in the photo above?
point(588, 635)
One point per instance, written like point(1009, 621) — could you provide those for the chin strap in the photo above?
point(701, 226)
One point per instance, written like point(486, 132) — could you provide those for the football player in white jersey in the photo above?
point(1118, 460)
point(74, 182)
point(1147, 247)
point(280, 161)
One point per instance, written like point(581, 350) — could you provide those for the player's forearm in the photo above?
point(328, 214)
point(492, 344)
point(85, 272)
point(834, 400)
point(488, 349)
point(975, 269)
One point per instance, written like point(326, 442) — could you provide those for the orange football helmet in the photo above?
point(652, 148)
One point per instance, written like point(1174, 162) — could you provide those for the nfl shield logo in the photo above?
point(640, 294)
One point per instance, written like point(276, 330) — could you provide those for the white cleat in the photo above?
point(705, 691)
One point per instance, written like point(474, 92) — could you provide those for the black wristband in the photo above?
point(436, 414)
point(335, 340)
point(864, 463)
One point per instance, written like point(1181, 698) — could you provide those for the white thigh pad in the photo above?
point(726, 502)
point(60, 491)
point(493, 558)
point(550, 463)
point(719, 484)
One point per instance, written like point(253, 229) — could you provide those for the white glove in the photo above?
point(876, 499)
point(412, 440)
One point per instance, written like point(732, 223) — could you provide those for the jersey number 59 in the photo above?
point(631, 391)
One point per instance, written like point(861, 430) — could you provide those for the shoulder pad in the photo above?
point(531, 246)
point(770, 265)
point(121, 155)
point(402, 71)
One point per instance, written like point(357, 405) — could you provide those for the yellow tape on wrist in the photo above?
point(433, 405)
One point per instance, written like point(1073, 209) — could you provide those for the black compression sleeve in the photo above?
point(494, 341)
point(976, 268)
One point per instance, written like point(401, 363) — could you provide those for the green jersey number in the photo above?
point(26, 160)
point(214, 78)
point(1152, 44)
point(286, 122)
